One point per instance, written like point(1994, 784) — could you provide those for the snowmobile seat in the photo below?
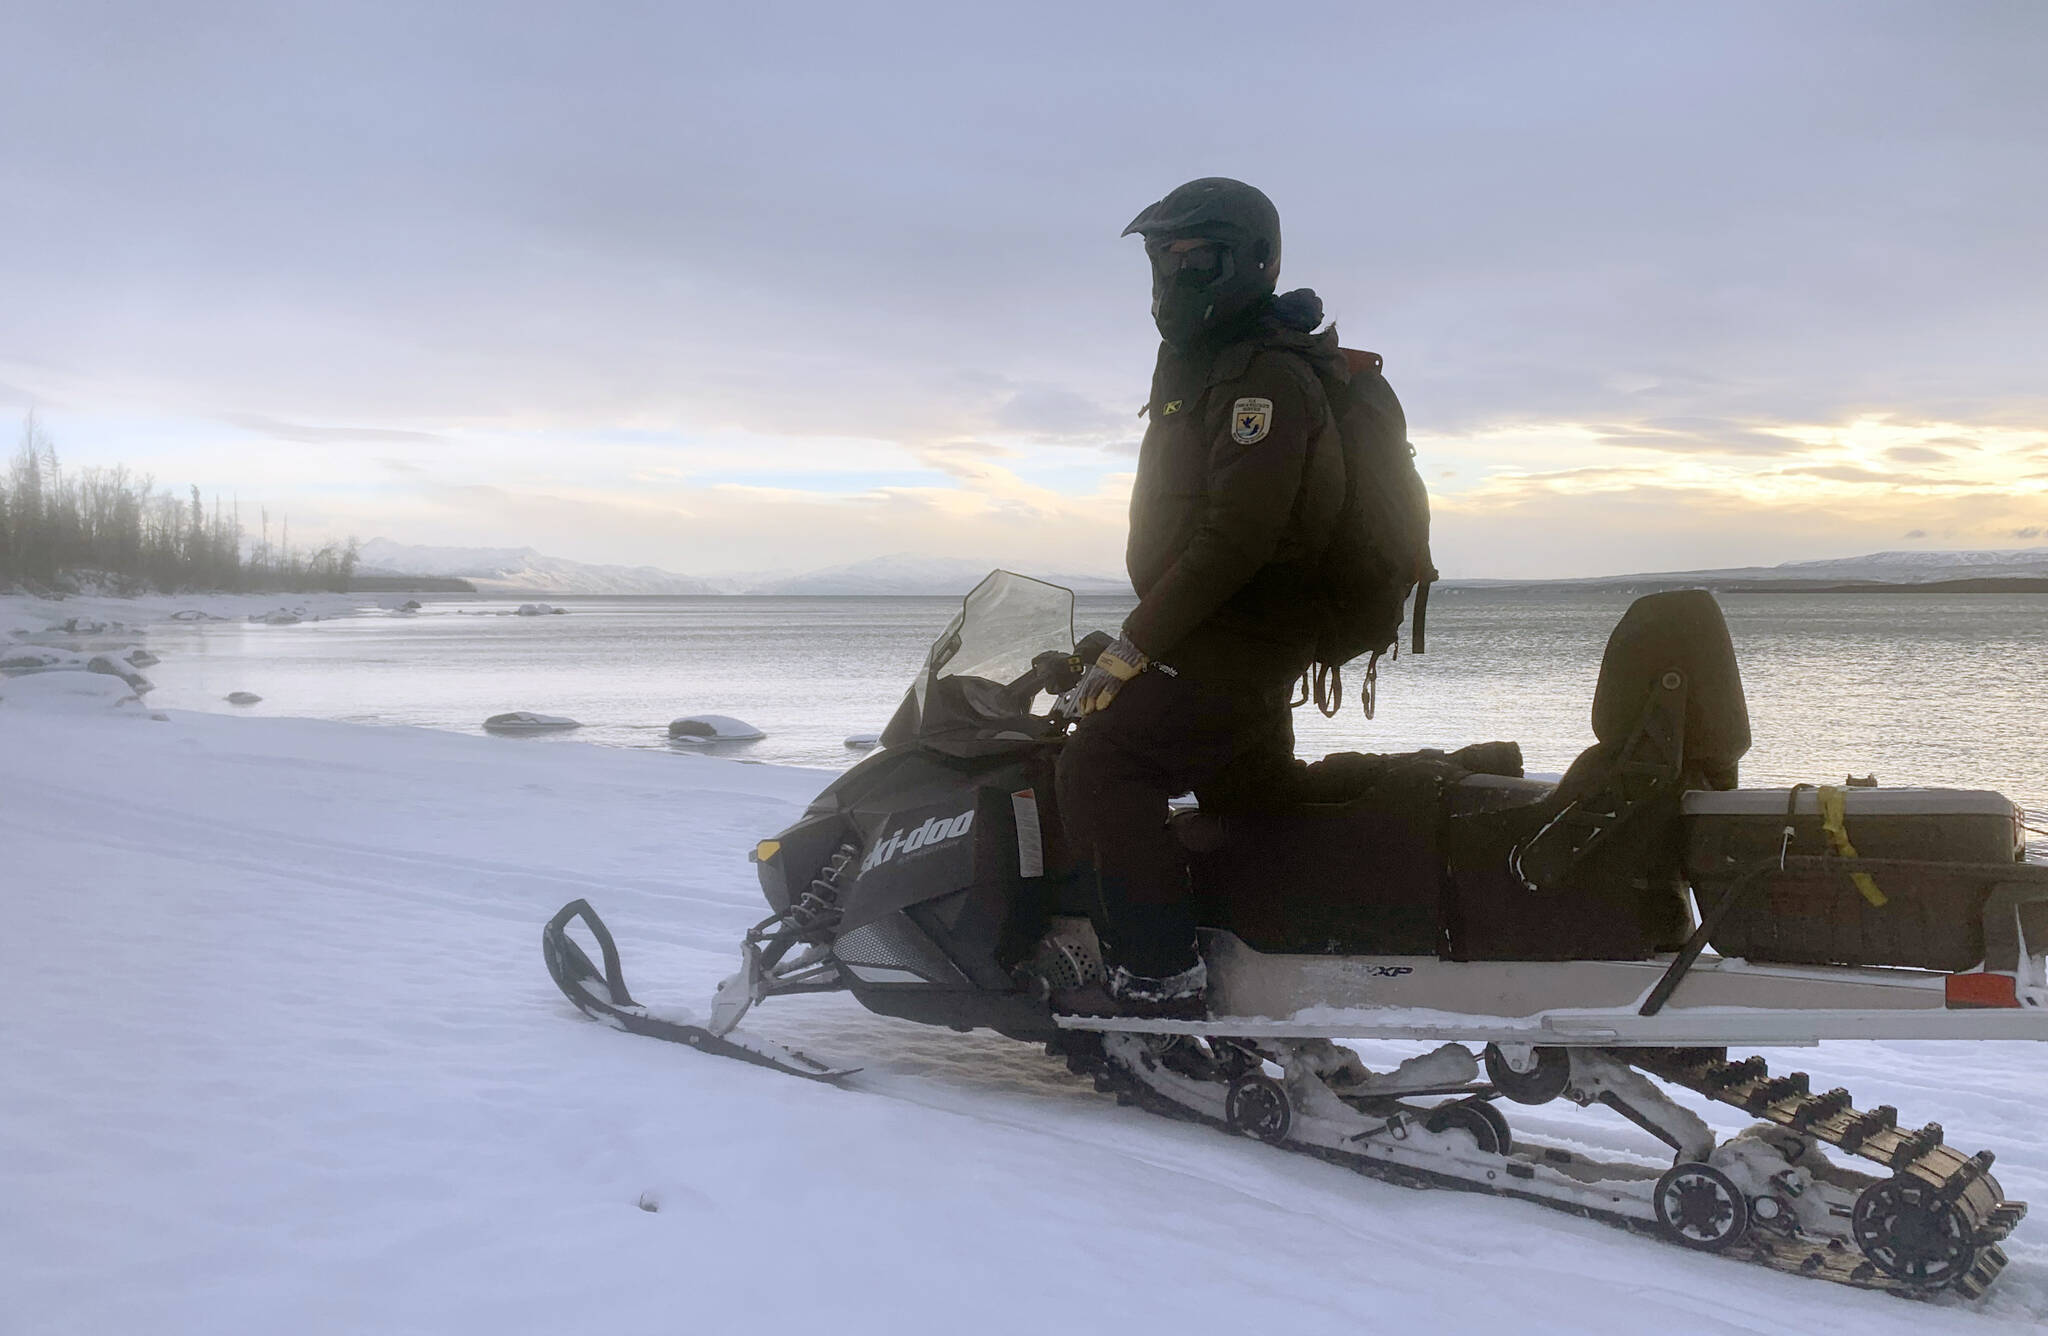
point(1339, 780)
point(1354, 864)
point(1457, 855)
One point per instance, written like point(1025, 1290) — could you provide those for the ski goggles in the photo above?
point(1203, 259)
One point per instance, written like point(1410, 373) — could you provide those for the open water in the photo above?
point(1917, 689)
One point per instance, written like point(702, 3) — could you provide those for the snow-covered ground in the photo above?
point(280, 1055)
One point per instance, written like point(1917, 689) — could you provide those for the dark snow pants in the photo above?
point(1163, 736)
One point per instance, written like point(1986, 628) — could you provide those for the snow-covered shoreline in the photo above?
point(282, 1056)
point(23, 615)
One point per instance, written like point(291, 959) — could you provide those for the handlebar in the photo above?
point(1056, 672)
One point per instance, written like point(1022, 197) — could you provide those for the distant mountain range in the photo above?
point(522, 570)
point(1887, 568)
point(907, 574)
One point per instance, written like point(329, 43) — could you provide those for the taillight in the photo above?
point(1988, 989)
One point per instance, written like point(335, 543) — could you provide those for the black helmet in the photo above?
point(1199, 289)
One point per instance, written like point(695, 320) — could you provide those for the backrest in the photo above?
point(1679, 630)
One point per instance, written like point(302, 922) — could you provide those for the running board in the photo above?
point(1800, 1029)
point(1255, 994)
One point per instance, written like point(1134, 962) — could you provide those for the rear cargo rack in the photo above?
point(2018, 903)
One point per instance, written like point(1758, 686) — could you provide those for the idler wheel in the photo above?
point(1504, 1139)
point(1910, 1232)
point(1541, 1084)
point(1701, 1207)
point(1258, 1105)
point(1474, 1116)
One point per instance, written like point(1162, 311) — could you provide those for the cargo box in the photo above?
point(1930, 919)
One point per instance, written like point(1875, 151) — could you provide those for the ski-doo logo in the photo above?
point(909, 840)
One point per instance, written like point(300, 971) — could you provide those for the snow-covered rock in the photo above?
point(113, 667)
point(526, 721)
point(142, 658)
point(279, 617)
point(39, 660)
point(863, 741)
point(539, 610)
point(118, 619)
point(68, 691)
point(243, 698)
point(705, 728)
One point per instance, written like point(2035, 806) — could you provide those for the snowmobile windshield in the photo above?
point(1003, 624)
point(962, 702)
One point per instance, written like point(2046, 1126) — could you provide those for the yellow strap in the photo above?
point(1834, 819)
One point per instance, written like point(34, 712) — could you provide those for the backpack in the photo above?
point(1379, 549)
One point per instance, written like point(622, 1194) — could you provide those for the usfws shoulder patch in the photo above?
point(1250, 420)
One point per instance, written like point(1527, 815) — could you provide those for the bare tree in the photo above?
point(106, 525)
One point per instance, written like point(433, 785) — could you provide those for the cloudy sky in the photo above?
point(734, 286)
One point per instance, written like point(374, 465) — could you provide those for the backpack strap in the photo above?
point(1419, 619)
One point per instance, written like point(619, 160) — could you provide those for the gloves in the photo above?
point(1117, 665)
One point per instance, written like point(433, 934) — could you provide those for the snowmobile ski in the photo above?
point(603, 996)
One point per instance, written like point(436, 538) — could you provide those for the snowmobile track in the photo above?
point(1746, 1085)
point(1919, 1157)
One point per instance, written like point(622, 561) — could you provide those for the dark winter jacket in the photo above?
point(1240, 479)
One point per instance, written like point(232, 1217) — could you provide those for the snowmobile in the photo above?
point(1601, 939)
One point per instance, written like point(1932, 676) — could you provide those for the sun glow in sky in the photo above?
point(738, 288)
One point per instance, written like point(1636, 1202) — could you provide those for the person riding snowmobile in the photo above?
point(1239, 485)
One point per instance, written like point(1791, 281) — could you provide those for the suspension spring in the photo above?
point(817, 910)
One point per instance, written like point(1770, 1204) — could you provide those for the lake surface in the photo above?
point(1918, 689)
